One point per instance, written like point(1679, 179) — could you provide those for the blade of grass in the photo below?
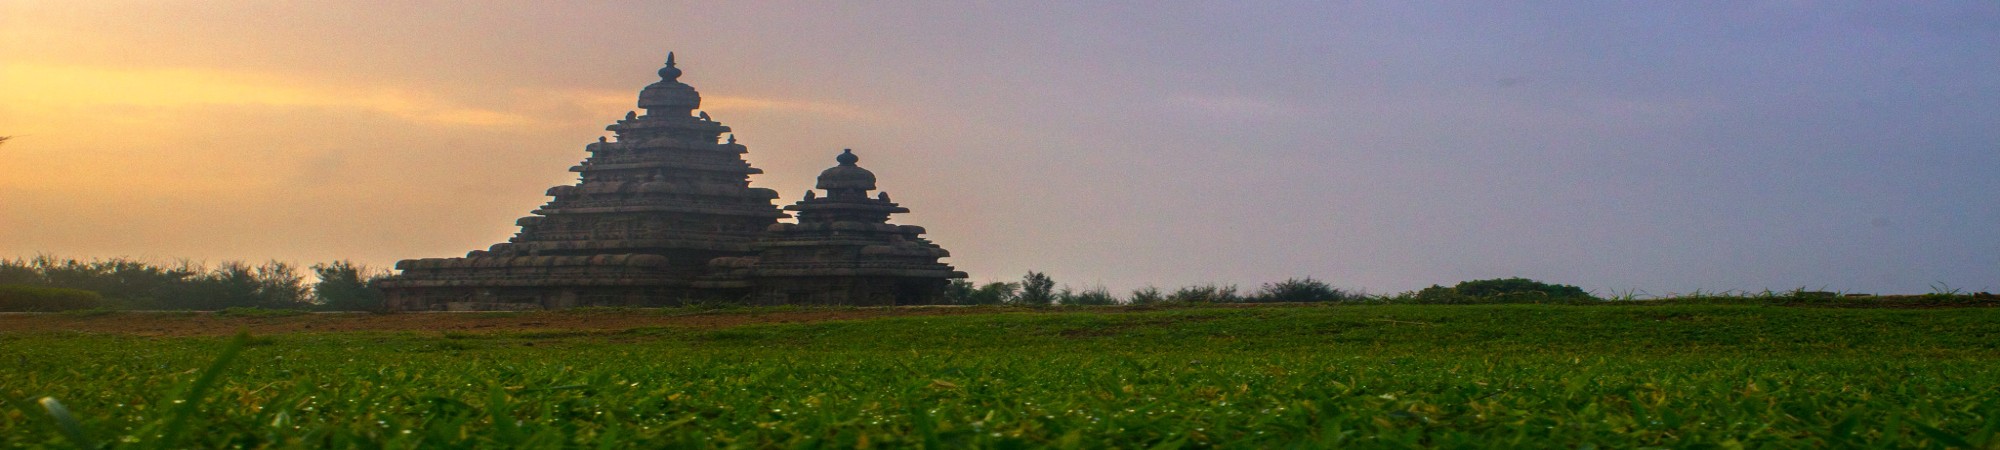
point(66, 423)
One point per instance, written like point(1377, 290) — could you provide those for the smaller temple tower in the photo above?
point(844, 251)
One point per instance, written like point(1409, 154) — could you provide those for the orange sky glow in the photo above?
point(1654, 148)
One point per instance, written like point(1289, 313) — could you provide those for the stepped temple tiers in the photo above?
point(664, 214)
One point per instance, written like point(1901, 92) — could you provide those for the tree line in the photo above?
point(1038, 289)
point(46, 283)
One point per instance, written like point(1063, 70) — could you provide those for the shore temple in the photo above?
point(663, 214)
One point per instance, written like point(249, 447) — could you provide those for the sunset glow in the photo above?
point(1382, 146)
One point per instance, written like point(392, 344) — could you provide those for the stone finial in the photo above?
point(670, 73)
point(883, 196)
point(704, 117)
point(732, 138)
point(811, 194)
point(847, 157)
point(600, 139)
point(629, 115)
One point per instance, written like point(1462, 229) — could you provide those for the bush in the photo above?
point(344, 286)
point(1037, 289)
point(1147, 296)
point(1499, 290)
point(1517, 286)
point(1091, 297)
point(958, 292)
point(996, 293)
point(20, 298)
point(1206, 294)
point(1297, 290)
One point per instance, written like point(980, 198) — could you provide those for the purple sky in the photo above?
point(1641, 147)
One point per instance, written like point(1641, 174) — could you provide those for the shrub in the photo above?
point(1206, 294)
point(996, 293)
point(958, 292)
point(19, 298)
point(1090, 297)
point(1037, 289)
point(1147, 296)
point(1297, 290)
point(1520, 286)
point(1500, 290)
point(345, 286)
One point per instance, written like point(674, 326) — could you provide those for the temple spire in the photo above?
point(670, 73)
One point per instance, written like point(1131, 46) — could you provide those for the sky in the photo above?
point(1631, 148)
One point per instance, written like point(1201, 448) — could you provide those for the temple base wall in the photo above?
point(554, 297)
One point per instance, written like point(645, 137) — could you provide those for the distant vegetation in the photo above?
point(1037, 289)
point(51, 284)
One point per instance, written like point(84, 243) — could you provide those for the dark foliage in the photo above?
point(962, 292)
point(345, 286)
point(127, 284)
point(1206, 294)
point(1299, 290)
point(14, 297)
point(1147, 296)
point(1088, 297)
point(1519, 286)
point(1500, 290)
point(1037, 289)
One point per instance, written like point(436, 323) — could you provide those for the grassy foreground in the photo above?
point(1718, 376)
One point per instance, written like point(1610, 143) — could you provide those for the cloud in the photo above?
point(604, 102)
point(734, 104)
point(34, 85)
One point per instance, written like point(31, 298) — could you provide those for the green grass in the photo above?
point(1533, 376)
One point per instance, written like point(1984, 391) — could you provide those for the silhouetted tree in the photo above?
point(345, 286)
point(995, 293)
point(1037, 289)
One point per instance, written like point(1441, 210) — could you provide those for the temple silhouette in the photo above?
point(664, 214)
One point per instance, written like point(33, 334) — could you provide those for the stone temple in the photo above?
point(664, 214)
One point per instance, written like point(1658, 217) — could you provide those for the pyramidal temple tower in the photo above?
point(663, 213)
point(844, 251)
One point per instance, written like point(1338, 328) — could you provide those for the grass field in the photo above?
point(1386, 376)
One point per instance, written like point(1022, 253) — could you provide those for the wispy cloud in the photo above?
point(32, 85)
point(732, 104)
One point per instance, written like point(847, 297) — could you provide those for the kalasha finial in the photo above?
point(810, 194)
point(847, 157)
point(732, 138)
point(670, 73)
point(629, 115)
